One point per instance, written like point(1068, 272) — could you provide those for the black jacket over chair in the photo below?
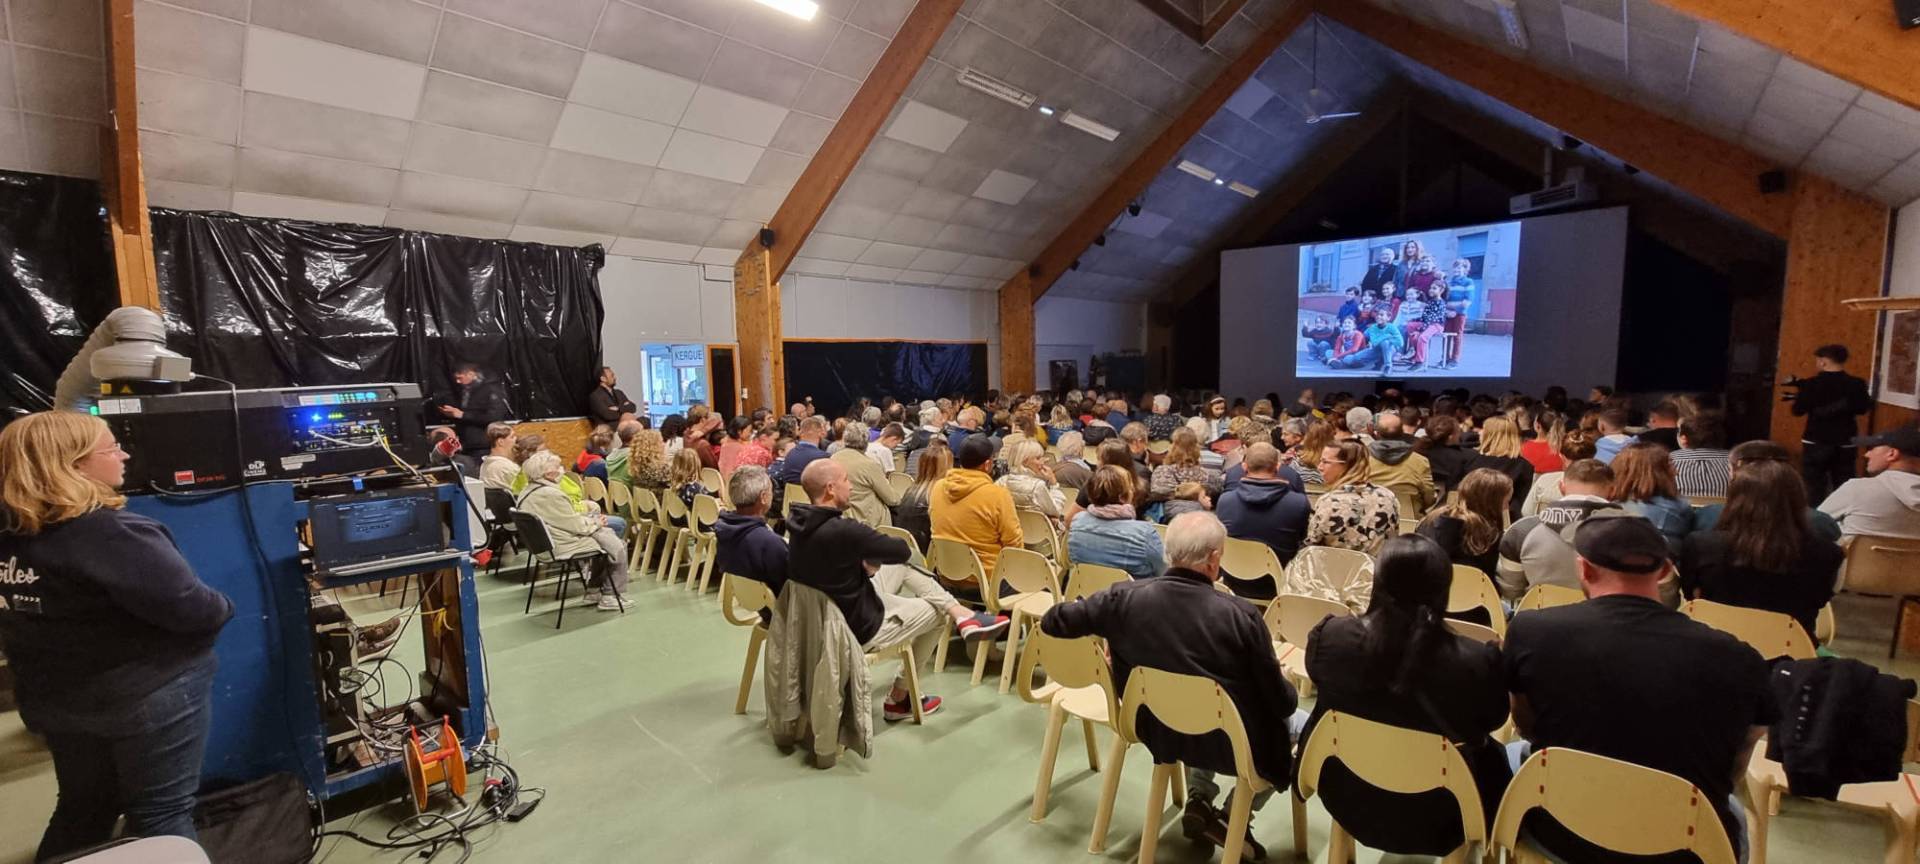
point(1841, 721)
point(1179, 623)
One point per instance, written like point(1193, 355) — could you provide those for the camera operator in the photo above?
point(1830, 401)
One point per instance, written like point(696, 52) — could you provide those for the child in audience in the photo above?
point(683, 479)
point(1187, 498)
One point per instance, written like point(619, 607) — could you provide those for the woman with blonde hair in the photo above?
point(1029, 479)
point(574, 532)
point(647, 460)
point(1353, 513)
point(1500, 450)
point(1320, 434)
point(1182, 465)
point(912, 513)
point(1469, 529)
point(108, 633)
point(683, 479)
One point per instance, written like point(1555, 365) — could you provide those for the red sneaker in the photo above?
point(903, 710)
point(983, 626)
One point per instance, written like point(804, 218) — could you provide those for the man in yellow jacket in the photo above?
point(966, 505)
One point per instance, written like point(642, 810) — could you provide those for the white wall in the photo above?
point(649, 301)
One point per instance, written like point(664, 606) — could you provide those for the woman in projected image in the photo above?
point(1460, 294)
point(1410, 254)
point(1351, 350)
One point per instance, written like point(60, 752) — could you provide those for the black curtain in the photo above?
point(56, 282)
point(836, 374)
point(274, 302)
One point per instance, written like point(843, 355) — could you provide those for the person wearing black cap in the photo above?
point(1623, 676)
point(1886, 502)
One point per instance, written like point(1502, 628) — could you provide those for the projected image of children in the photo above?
point(1435, 304)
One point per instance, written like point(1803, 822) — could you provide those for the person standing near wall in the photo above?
point(476, 403)
point(1832, 402)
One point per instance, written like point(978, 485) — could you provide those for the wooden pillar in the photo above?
point(1016, 335)
point(1836, 250)
point(123, 184)
point(756, 322)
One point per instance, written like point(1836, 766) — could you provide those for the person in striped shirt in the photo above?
point(1700, 465)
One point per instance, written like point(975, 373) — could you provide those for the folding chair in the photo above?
point(539, 545)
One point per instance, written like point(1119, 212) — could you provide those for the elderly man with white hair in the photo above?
point(1179, 623)
point(1359, 425)
point(1162, 422)
point(574, 532)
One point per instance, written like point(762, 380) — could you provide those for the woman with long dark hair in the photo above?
point(1397, 664)
point(1763, 553)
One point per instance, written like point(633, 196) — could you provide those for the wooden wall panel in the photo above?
point(1836, 249)
point(566, 436)
point(762, 376)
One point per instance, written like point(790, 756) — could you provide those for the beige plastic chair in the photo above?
point(1035, 526)
point(1883, 566)
point(671, 508)
point(957, 562)
point(711, 481)
point(1350, 573)
point(900, 482)
point(1773, 634)
point(1823, 626)
point(1159, 448)
point(1894, 799)
point(794, 494)
point(1471, 589)
point(647, 527)
point(1396, 760)
point(1476, 632)
point(701, 539)
point(1290, 620)
point(741, 602)
point(1192, 705)
point(913, 546)
point(1079, 685)
point(1618, 806)
point(1408, 526)
point(1160, 529)
point(1544, 596)
point(620, 503)
point(596, 491)
point(1085, 580)
point(1031, 574)
point(1245, 561)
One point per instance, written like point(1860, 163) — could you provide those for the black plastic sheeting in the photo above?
point(56, 282)
point(274, 302)
point(836, 374)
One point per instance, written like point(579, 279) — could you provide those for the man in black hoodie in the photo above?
point(838, 557)
point(1832, 402)
point(744, 544)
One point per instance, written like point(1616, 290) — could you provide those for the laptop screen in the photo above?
point(371, 526)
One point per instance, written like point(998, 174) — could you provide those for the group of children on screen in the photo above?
point(1395, 314)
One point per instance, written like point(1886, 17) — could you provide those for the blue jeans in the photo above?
point(1365, 358)
point(618, 525)
point(1318, 349)
point(150, 775)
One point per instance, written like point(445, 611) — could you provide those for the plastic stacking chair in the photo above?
point(1471, 589)
point(702, 541)
point(710, 480)
point(957, 562)
point(1290, 620)
point(1544, 596)
point(646, 529)
point(1618, 806)
point(1244, 562)
point(1773, 634)
point(1350, 574)
point(1894, 799)
point(596, 491)
point(741, 602)
point(1823, 626)
point(1038, 584)
point(1396, 760)
point(539, 546)
point(913, 546)
point(1883, 566)
point(1079, 685)
point(1192, 705)
point(793, 493)
point(1408, 526)
point(900, 482)
point(1086, 580)
point(1476, 632)
point(1035, 526)
point(620, 502)
point(672, 510)
point(1159, 448)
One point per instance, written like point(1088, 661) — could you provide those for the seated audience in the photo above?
point(1613, 435)
point(873, 498)
point(646, 461)
point(1306, 463)
point(1134, 436)
point(1542, 450)
point(1446, 456)
point(967, 507)
point(1538, 550)
point(1293, 437)
point(1360, 422)
point(1402, 471)
point(736, 450)
point(1161, 423)
point(1186, 498)
point(1575, 445)
point(969, 421)
point(592, 461)
point(1886, 502)
point(931, 423)
point(1115, 453)
point(499, 468)
point(1469, 528)
point(1643, 484)
point(1663, 425)
point(1700, 462)
point(574, 532)
point(1182, 465)
point(1265, 507)
point(1353, 513)
point(913, 512)
point(1030, 480)
point(683, 481)
point(1748, 455)
point(702, 422)
point(744, 544)
point(1763, 553)
point(806, 448)
point(1623, 676)
point(1500, 450)
point(1397, 664)
point(880, 449)
point(1107, 531)
point(617, 457)
point(1180, 624)
point(1073, 469)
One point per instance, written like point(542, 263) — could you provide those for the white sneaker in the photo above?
point(611, 603)
point(592, 597)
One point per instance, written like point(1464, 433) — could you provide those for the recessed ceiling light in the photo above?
point(801, 9)
point(974, 79)
point(1090, 126)
point(1243, 189)
point(1196, 169)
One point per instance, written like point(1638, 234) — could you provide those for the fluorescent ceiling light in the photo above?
point(1219, 182)
point(1195, 169)
point(974, 79)
point(1090, 126)
point(801, 9)
point(1045, 110)
point(1510, 23)
point(1243, 189)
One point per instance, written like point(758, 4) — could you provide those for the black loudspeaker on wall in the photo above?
point(1908, 13)
point(1775, 181)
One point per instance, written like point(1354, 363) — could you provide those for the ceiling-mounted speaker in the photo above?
point(766, 238)
point(1773, 182)
point(1908, 13)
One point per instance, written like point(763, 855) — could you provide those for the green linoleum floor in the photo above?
point(627, 722)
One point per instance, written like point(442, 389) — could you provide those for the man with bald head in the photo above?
point(864, 573)
point(1407, 474)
